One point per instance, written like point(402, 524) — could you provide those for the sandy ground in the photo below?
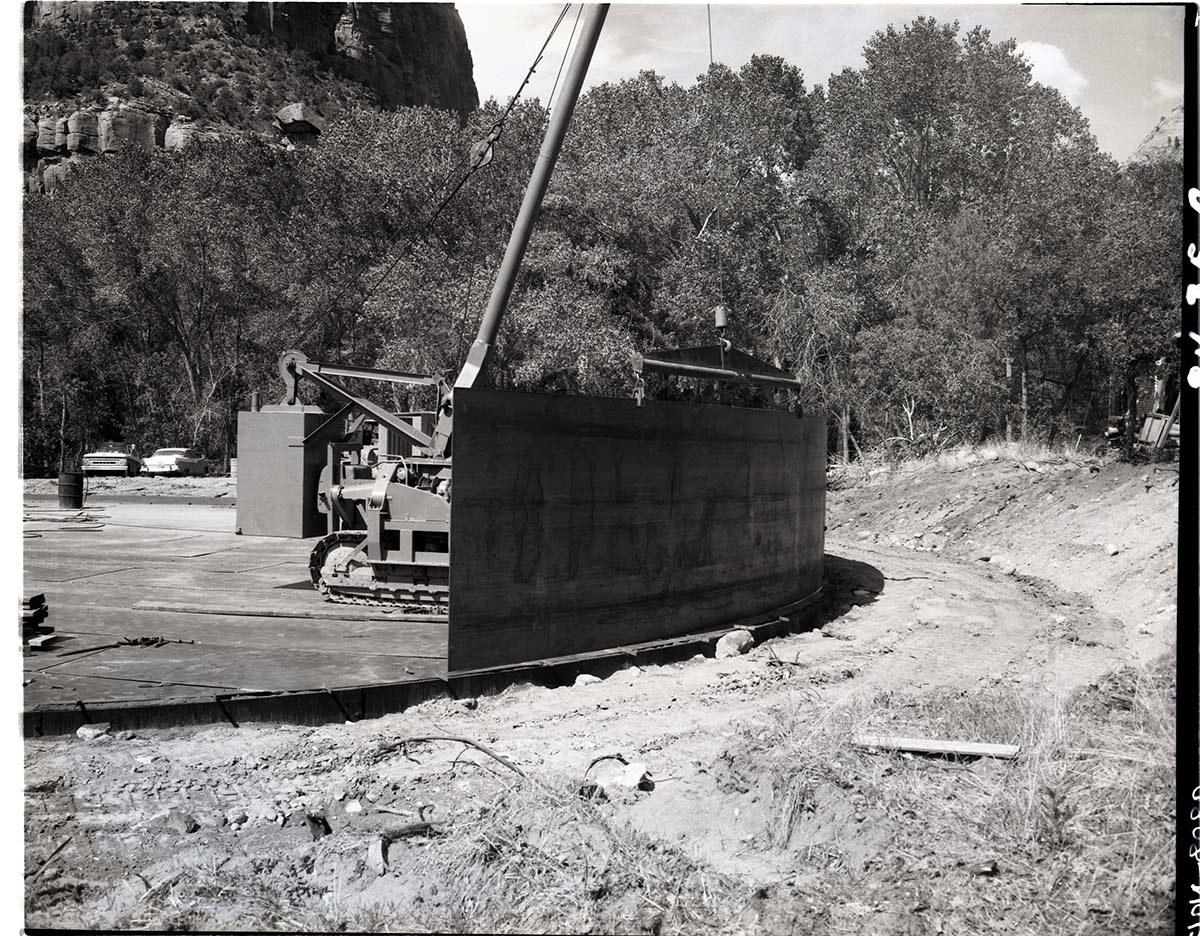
point(941, 581)
point(143, 486)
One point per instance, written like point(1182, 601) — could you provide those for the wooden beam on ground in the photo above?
point(930, 746)
point(1166, 430)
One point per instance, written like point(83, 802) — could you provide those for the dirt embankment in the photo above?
point(743, 805)
point(1106, 532)
point(142, 486)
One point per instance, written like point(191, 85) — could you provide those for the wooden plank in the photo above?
point(402, 638)
point(57, 689)
point(312, 610)
point(68, 647)
point(250, 670)
point(298, 601)
point(72, 572)
point(580, 524)
point(182, 576)
point(237, 561)
point(931, 746)
point(206, 544)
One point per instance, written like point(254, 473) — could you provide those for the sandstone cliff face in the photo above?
point(403, 53)
point(407, 53)
point(1165, 141)
point(52, 146)
point(307, 26)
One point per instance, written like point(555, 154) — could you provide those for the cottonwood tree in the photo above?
point(1135, 279)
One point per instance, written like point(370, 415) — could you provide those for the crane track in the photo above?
point(331, 592)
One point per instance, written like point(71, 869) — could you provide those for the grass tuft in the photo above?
point(1079, 825)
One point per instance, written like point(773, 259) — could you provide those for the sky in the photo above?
point(1122, 66)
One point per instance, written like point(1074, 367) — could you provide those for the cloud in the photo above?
point(1166, 90)
point(1050, 67)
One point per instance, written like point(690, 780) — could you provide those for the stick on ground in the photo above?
point(400, 742)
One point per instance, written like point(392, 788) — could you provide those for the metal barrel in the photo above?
point(70, 489)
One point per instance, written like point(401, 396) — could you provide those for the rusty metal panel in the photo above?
point(580, 523)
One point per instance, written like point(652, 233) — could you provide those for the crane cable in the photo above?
point(713, 161)
point(566, 49)
point(479, 156)
point(549, 104)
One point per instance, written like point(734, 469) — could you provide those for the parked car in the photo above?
point(112, 458)
point(177, 461)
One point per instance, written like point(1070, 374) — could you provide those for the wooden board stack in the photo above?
point(34, 636)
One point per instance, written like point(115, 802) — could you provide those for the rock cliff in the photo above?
point(52, 146)
point(103, 76)
point(1165, 141)
point(407, 53)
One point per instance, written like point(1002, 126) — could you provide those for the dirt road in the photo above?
point(746, 808)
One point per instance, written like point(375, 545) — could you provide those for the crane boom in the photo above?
point(539, 181)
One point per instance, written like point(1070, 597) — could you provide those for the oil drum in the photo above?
point(70, 489)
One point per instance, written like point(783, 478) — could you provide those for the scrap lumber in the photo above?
point(932, 746)
point(33, 636)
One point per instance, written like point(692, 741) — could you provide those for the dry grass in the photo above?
point(541, 858)
point(1080, 825)
point(535, 857)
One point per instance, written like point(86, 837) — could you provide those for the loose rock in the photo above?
point(93, 732)
point(354, 806)
point(318, 825)
point(377, 856)
point(592, 791)
point(178, 821)
point(587, 679)
point(212, 818)
point(1111, 549)
point(1004, 565)
point(735, 643)
point(636, 777)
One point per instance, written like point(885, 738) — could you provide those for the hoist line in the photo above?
point(708, 10)
point(476, 155)
point(566, 50)
point(717, 209)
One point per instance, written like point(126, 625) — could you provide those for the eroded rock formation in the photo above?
point(409, 54)
point(1165, 141)
point(130, 126)
point(53, 145)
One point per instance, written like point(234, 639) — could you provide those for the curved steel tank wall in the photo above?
point(582, 523)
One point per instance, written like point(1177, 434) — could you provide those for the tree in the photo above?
point(1135, 277)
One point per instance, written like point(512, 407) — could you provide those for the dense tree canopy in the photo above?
point(932, 243)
